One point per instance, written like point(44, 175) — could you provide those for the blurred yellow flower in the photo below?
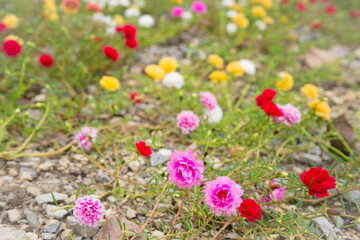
point(286, 81)
point(119, 20)
point(321, 108)
point(155, 72)
point(258, 11)
point(235, 68)
point(70, 6)
point(11, 21)
point(168, 64)
point(268, 20)
point(240, 20)
point(267, 3)
point(178, 1)
point(255, 1)
point(310, 91)
point(218, 76)
point(50, 10)
point(110, 83)
point(284, 19)
point(237, 7)
point(15, 38)
point(216, 61)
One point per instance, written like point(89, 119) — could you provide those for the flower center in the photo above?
point(222, 194)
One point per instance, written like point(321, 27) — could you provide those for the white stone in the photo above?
point(14, 215)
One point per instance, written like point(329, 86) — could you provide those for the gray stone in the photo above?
point(45, 166)
point(2, 163)
point(160, 157)
point(47, 198)
point(83, 230)
point(32, 219)
point(10, 233)
point(52, 228)
point(338, 221)
point(102, 177)
point(324, 225)
point(66, 234)
point(59, 214)
point(25, 176)
point(32, 236)
point(315, 151)
point(47, 236)
point(33, 190)
point(352, 196)
point(29, 162)
point(14, 215)
point(163, 207)
point(33, 173)
point(307, 158)
point(130, 213)
point(215, 163)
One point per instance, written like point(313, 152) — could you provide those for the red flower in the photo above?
point(354, 14)
point(316, 25)
point(2, 26)
point(111, 53)
point(266, 95)
point(97, 39)
point(46, 60)
point(318, 181)
point(271, 109)
point(143, 149)
point(135, 97)
point(301, 7)
point(131, 43)
point(128, 30)
point(93, 6)
point(330, 9)
point(11, 48)
point(250, 209)
point(285, 1)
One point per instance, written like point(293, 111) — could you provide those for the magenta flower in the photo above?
point(185, 171)
point(82, 138)
point(88, 210)
point(291, 115)
point(277, 194)
point(177, 12)
point(223, 195)
point(199, 7)
point(187, 121)
point(208, 99)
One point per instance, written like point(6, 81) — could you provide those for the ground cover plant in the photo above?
point(141, 119)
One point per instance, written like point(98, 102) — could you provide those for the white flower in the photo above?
point(260, 25)
point(213, 116)
point(187, 15)
point(113, 3)
point(231, 28)
point(173, 79)
point(140, 3)
point(248, 66)
point(231, 13)
point(124, 3)
point(146, 21)
point(227, 3)
point(132, 12)
point(97, 17)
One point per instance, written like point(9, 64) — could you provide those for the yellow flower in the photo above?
point(119, 19)
point(235, 68)
point(310, 91)
point(284, 19)
point(216, 61)
point(50, 10)
point(178, 1)
point(258, 11)
point(286, 81)
point(218, 76)
point(267, 3)
point(237, 7)
point(168, 64)
point(11, 21)
point(15, 38)
point(322, 109)
point(110, 83)
point(240, 20)
point(268, 20)
point(255, 1)
point(155, 72)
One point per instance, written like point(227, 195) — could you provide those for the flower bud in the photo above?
point(18, 110)
point(283, 174)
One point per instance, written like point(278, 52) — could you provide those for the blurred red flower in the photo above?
point(111, 53)
point(46, 60)
point(143, 149)
point(11, 48)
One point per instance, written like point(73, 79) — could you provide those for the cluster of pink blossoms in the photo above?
point(88, 210)
point(212, 112)
point(85, 137)
point(187, 121)
point(291, 115)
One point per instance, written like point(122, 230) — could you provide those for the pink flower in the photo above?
point(223, 195)
point(199, 7)
point(185, 171)
point(93, 6)
point(187, 121)
point(208, 99)
point(277, 194)
point(330, 9)
point(291, 115)
point(301, 6)
point(88, 210)
point(177, 12)
point(82, 138)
